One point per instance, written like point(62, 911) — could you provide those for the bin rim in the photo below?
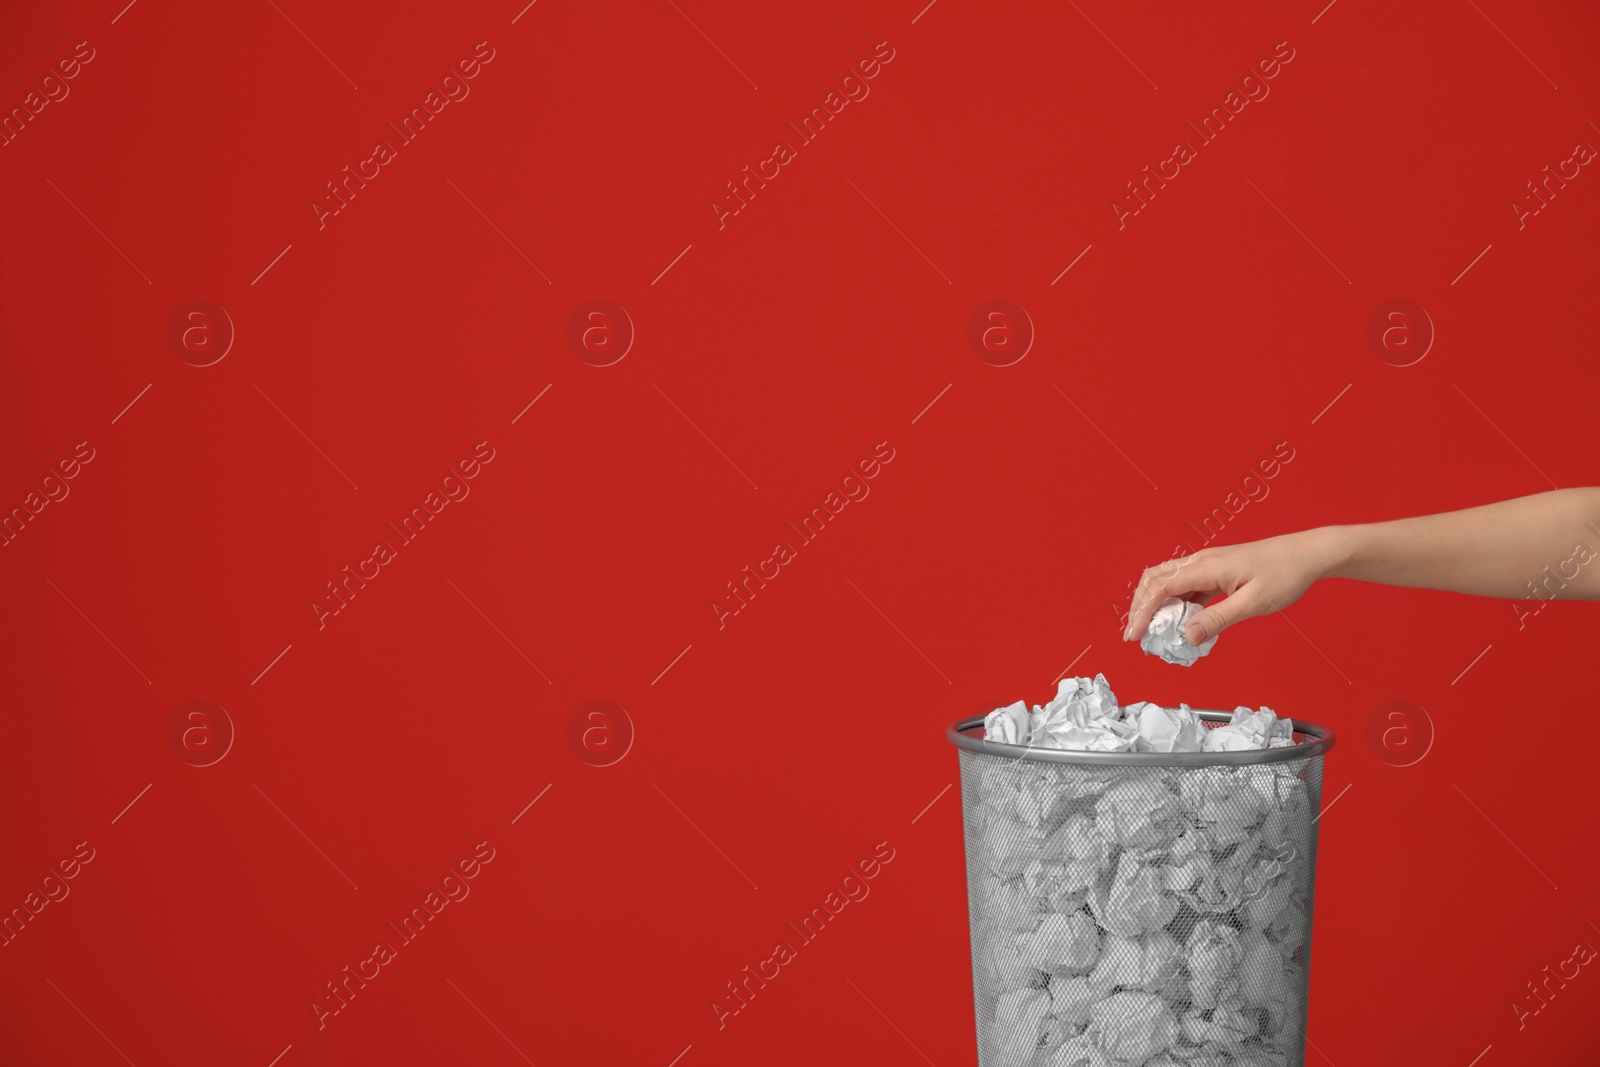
point(1322, 740)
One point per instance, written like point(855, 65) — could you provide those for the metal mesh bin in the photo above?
point(1134, 909)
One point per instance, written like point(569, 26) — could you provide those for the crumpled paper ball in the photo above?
point(1077, 839)
point(1292, 926)
point(1075, 858)
point(1102, 735)
point(1020, 1016)
point(1010, 789)
point(1165, 635)
point(1269, 979)
point(1249, 730)
point(1164, 729)
point(1152, 963)
point(1058, 887)
point(1198, 1056)
point(1224, 804)
point(1081, 1051)
point(1007, 905)
point(1004, 961)
point(1057, 1032)
point(1082, 715)
point(1222, 886)
point(1223, 1025)
point(1287, 826)
point(1188, 860)
point(1247, 1056)
point(1131, 1027)
point(1088, 782)
point(1267, 897)
point(1140, 812)
point(1084, 698)
point(1064, 943)
point(1009, 846)
point(1022, 1008)
point(1134, 900)
point(1071, 998)
point(1008, 725)
point(1214, 955)
point(1029, 797)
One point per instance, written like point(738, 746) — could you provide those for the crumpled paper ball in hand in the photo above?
point(1165, 636)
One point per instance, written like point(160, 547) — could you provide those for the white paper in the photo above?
point(1007, 725)
point(1250, 730)
point(1141, 917)
point(1068, 943)
point(1165, 635)
point(1134, 901)
point(1165, 729)
point(1079, 716)
point(1132, 1027)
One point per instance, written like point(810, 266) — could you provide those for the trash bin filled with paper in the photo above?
point(1139, 881)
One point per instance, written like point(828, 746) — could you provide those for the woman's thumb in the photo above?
point(1217, 617)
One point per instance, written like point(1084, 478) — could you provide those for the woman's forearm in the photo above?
point(1535, 547)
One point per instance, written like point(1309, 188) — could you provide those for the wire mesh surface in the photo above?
point(1140, 916)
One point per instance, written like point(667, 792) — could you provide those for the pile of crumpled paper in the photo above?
point(1084, 715)
point(1140, 916)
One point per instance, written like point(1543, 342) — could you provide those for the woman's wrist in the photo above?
point(1335, 550)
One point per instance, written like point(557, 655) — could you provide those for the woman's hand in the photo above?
point(1542, 547)
point(1253, 578)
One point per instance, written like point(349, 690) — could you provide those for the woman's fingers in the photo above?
point(1247, 603)
point(1191, 577)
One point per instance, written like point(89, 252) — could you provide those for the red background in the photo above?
point(378, 350)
